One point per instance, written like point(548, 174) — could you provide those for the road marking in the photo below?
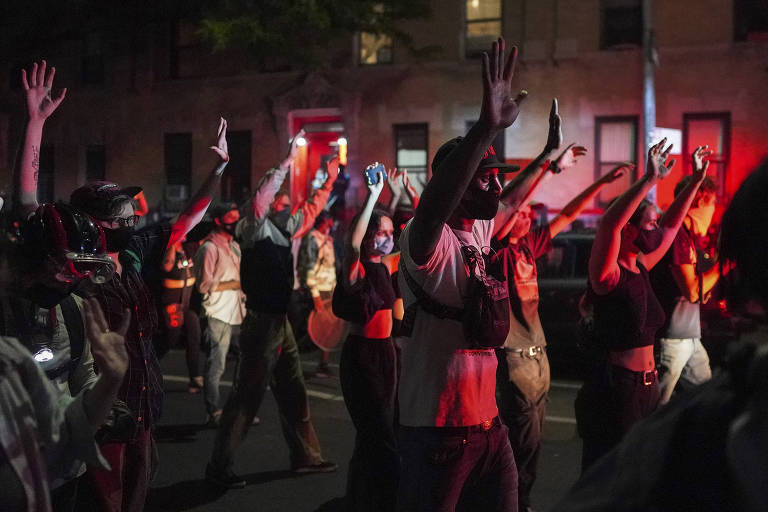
point(338, 398)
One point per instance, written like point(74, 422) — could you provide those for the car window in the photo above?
point(568, 258)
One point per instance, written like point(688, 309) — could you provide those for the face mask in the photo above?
point(45, 296)
point(280, 219)
point(229, 228)
point(117, 239)
point(701, 218)
point(648, 240)
point(480, 204)
point(380, 245)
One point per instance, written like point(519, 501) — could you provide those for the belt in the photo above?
point(646, 377)
point(480, 427)
point(178, 283)
point(530, 352)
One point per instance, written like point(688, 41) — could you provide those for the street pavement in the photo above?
point(185, 445)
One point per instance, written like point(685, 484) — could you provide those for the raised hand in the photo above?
point(617, 172)
point(40, 104)
point(108, 347)
point(568, 158)
point(699, 165)
point(500, 108)
point(395, 181)
point(331, 169)
point(656, 166)
point(293, 150)
point(555, 134)
point(221, 141)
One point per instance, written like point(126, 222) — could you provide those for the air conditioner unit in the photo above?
point(176, 192)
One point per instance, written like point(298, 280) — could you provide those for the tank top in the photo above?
point(629, 316)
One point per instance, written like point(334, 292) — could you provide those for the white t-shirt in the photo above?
point(444, 383)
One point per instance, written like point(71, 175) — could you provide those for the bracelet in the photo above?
point(220, 169)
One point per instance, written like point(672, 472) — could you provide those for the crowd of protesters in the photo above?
point(444, 367)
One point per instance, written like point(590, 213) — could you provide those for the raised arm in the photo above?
point(520, 189)
point(200, 202)
point(410, 190)
point(444, 191)
point(40, 105)
point(395, 184)
point(672, 219)
point(572, 210)
point(352, 266)
point(271, 182)
point(603, 260)
point(304, 218)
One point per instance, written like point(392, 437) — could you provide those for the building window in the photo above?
point(375, 49)
point(46, 172)
point(615, 142)
point(411, 147)
point(178, 169)
point(714, 130)
point(482, 25)
point(621, 23)
point(93, 59)
point(750, 19)
point(236, 182)
point(184, 49)
point(95, 162)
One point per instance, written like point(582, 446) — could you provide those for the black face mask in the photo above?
point(117, 239)
point(280, 219)
point(229, 228)
point(45, 296)
point(480, 204)
point(648, 240)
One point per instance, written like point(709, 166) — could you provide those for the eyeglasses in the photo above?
point(76, 267)
point(120, 222)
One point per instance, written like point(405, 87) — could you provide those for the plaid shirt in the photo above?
point(142, 388)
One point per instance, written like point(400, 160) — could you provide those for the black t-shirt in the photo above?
point(518, 263)
point(630, 314)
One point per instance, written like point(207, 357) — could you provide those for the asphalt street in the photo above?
point(185, 445)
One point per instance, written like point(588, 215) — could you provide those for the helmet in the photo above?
point(70, 238)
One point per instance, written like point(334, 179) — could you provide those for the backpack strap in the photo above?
point(426, 302)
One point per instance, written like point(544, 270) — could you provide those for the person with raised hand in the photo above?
point(523, 376)
point(631, 239)
point(134, 252)
point(47, 432)
point(38, 84)
point(454, 448)
point(368, 370)
point(268, 349)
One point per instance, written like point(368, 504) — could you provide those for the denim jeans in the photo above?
point(446, 469)
point(685, 360)
point(609, 403)
point(218, 336)
point(368, 376)
point(268, 356)
point(522, 385)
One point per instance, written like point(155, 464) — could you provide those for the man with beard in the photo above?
point(268, 350)
point(455, 451)
point(217, 265)
point(683, 281)
point(134, 252)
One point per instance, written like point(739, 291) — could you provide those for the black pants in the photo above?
point(368, 376)
point(607, 405)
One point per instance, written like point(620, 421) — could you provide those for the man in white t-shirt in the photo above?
point(217, 269)
point(454, 449)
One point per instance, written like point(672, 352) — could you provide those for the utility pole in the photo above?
point(650, 61)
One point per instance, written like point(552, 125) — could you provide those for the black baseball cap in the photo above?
point(490, 159)
point(101, 198)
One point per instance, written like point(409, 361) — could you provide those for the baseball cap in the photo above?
point(490, 159)
point(101, 198)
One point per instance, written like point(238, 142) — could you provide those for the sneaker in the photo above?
point(226, 479)
point(325, 466)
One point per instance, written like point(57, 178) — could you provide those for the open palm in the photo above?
point(500, 108)
point(37, 86)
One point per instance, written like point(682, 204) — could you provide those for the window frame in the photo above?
point(634, 120)
point(405, 126)
point(467, 22)
point(359, 56)
point(621, 45)
point(725, 117)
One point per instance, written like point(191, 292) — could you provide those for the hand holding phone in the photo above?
point(372, 173)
